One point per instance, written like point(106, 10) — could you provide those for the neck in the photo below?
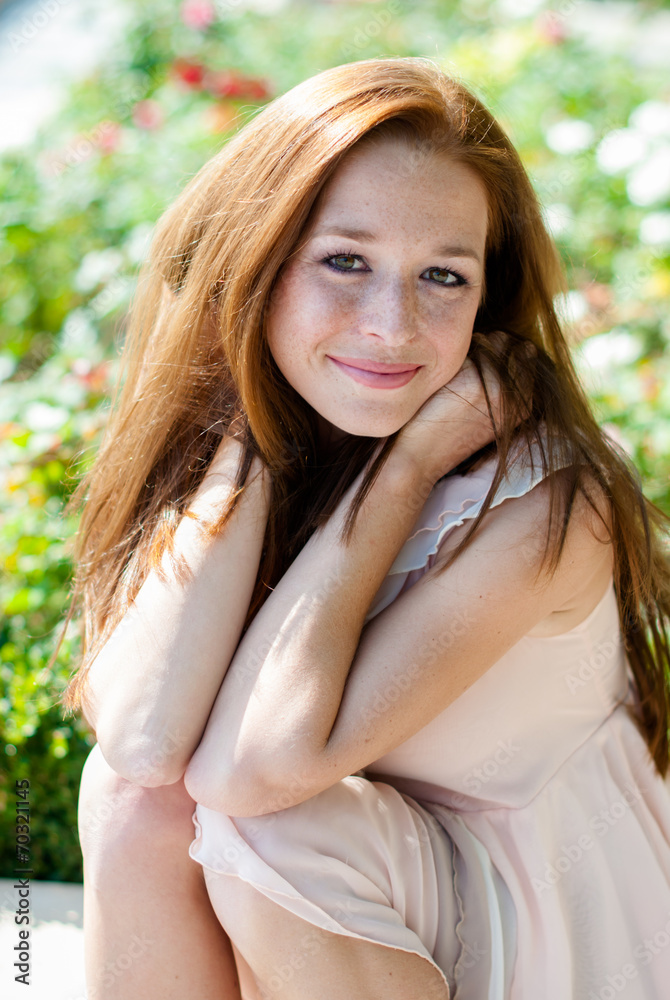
point(329, 435)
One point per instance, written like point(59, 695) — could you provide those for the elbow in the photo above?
point(141, 760)
point(215, 786)
point(131, 739)
point(143, 770)
point(235, 791)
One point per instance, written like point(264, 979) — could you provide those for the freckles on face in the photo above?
point(390, 274)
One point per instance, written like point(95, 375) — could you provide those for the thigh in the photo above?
point(289, 956)
point(358, 860)
point(248, 982)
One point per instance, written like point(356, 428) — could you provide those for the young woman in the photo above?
point(363, 578)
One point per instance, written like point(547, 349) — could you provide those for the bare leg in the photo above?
point(150, 931)
point(294, 960)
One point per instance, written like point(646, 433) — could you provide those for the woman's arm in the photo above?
point(304, 702)
point(151, 687)
point(280, 698)
point(278, 704)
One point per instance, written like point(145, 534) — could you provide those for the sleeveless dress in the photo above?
point(520, 842)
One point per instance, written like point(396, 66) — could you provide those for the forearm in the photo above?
point(152, 686)
point(281, 696)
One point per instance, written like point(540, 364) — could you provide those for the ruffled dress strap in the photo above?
point(452, 501)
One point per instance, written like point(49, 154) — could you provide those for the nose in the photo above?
point(389, 311)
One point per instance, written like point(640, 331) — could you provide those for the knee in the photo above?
point(119, 820)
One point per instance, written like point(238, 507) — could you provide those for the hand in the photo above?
point(455, 421)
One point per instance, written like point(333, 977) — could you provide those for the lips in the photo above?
point(375, 366)
point(389, 377)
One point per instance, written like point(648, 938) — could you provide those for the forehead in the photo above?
point(395, 183)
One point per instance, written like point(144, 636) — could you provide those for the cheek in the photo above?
point(291, 342)
point(283, 329)
point(451, 341)
point(296, 319)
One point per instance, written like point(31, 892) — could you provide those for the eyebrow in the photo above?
point(364, 235)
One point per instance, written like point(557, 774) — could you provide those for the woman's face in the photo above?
point(390, 275)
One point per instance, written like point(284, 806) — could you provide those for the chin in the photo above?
point(374, 427)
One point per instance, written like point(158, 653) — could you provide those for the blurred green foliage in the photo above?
point(593, 129)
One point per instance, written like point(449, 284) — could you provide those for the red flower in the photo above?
point(197, 14)
point(148, 114)
point(551, 28)
point(225, 83)
point(257, 89)
point(190, 73)
point(232, 83)
point(598, 296)
point(94, 377)
point(108, 136)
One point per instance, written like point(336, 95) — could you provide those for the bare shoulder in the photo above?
point(513, 535)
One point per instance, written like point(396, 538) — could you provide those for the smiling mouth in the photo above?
point(380, 367)
point(377, 376)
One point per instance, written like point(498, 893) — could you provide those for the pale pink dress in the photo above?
point(520, 842)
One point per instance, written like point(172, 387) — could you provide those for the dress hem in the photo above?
point(328, 924)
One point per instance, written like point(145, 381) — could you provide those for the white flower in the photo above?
point(136, 243)
point(655, 229)
point(650, 182)
point(7, 366)
point(77, 332)
point(42, 417)
point(569, 136)
point(611, 349)
point(558, 218)
point(571, 307)
point(621, 149)
point(519, 8)
point(652, 118)
point(96, 267)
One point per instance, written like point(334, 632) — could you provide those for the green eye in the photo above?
point(454, 278)
point(338, 257)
